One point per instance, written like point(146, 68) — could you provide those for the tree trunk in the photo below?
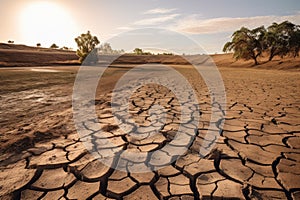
point(272, 54)
point(255, 60)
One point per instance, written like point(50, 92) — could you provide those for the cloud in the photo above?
point(194, 25)
point(160, 16)
point(156, 20)
point(160, 11)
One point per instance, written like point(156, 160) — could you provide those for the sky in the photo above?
point(181, 26)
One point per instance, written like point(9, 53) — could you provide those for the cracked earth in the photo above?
point(256, 156)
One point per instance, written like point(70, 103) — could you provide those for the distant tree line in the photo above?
point(139, 51)
point(276, 40)
point(54, 46)
point(107, 49)
point(87, 47)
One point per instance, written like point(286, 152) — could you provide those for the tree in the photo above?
point(274, 44)
point(38, 44)
point(10, 42)
point(281, 39)
point(247, 44)
point(168, 54)
point(295, 41)
point(105, 48)
point(54, 46)
point(138, 51)
point(277, 40)
point(86, 44)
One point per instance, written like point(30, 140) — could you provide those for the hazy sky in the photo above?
point(209, 23)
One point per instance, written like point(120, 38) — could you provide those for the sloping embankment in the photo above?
point(20, 55)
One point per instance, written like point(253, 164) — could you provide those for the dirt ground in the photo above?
point(257, 155)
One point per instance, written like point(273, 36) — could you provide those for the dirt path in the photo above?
point(257, 155)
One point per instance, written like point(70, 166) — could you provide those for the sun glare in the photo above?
point(47, 23)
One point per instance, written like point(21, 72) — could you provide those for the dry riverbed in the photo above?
point(257, 155)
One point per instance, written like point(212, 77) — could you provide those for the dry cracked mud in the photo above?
point(256, 156)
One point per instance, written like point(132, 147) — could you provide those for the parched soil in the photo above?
point(256, 156)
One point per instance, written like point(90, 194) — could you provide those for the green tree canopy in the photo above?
point(86, 43)
point(138, 51)
point(246, 44)
point(281, 39)
point(295, 41)
point(277, 40)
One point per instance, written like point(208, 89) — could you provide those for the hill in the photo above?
point(22, 55)
point(286, 63)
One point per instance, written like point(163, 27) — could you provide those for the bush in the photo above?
point(86, 44)
point(54, 46)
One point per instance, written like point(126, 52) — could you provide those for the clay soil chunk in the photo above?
point(229, 189)
point(83, 190)
point(121, 186)
point(142, 193)
point(11, 181)
point(53, 179)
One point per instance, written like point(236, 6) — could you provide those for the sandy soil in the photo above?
point(256, 156)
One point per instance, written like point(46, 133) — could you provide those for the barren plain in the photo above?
point(256, 156)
